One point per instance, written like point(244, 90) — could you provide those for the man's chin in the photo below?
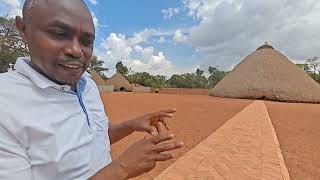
point(70, 82)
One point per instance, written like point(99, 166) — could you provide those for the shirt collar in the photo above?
point(23, 67)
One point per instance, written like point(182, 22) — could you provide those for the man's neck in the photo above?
point(72, 85)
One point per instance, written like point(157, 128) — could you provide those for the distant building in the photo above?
point(268, 74)
point(102, 85)
point(119, 83)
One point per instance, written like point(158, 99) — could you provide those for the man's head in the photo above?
point(60, 36)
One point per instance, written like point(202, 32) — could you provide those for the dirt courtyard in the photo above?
point(198, 116)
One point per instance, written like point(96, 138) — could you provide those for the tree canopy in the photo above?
point(98, 66)
point(122, 69)
point(11, 44)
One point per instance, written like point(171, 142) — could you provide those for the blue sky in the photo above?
point(176, 36)
point(130, 17)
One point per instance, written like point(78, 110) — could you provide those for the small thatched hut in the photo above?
point(119, 83)
point(102, 85)
point(268, 74)
point(97, 78)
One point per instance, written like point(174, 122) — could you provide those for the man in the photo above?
point(53, 124)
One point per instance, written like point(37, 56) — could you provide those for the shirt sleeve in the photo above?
point(14, 162)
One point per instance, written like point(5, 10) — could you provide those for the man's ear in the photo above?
point(21, 26)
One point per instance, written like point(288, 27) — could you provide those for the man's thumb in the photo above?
point(151, 130)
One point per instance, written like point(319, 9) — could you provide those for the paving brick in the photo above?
point(245, 147)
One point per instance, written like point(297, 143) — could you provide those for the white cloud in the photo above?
point(142, 36)
point(94, 2)
point(161, 40)
point(168, 13)
point(117, 47)
point(179, 36)
point(14, 7)
point(228, 30)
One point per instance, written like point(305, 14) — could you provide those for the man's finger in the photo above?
point(164, 156)
point(151, 130)
point(160, 138)
point(169, 146)
point(159, 128)
point(165, 123)
point(164, 114)
point(169, 110)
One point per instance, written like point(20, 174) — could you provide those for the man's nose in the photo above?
point(74, 49)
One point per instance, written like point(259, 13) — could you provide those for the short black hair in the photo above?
point(27, 6)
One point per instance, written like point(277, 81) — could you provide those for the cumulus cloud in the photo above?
point(179, 36)
point(168, 13)
point(161, 40)
point(142, 36)
point(14, 7)
point(117, 47)
point(227, 30)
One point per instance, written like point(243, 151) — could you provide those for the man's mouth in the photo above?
point(74, 66)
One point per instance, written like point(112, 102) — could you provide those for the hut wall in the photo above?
point(106, 88)
point(184, 91)
point(141, 89)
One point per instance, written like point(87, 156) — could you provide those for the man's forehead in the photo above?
point(56, 7)
point(71, 12)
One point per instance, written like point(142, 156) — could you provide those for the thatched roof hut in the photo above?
point(97, 78)
point(136, 85)
point(268, 74)
point(119, 82)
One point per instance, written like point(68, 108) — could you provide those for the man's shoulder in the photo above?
point(12, 78)
point(92, 84)
point(13, 83)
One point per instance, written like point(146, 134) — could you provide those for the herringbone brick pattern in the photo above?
point(245, 147)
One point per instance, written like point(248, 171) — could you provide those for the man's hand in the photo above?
point(142, 156)
point(151, 122)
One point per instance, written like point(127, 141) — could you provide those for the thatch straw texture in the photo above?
point(97, 78)
point(268, 74)
point(119, 82)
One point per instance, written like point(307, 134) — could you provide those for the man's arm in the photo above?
point(139, 158)
point(119, 131)
point(112, 171)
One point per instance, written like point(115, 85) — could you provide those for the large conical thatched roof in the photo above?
point(97, 78)
point(119, 82)
point(268, 74)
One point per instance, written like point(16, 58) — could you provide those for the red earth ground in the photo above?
point(298, 130)
point(197, 116)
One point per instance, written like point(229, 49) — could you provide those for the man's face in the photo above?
point(60, 36)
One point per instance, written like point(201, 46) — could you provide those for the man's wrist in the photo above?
point(120, 170)
point(127, 125)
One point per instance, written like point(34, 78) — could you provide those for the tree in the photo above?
point(97, 65)
point(189, 80)
point(122, 69)
point(216, 76)
point(147, 80)
point(313, 64)
point(11, 44)
point(313, 67)
point(304, 67)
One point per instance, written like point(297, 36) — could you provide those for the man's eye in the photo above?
point(58, 34)
point(87, 43)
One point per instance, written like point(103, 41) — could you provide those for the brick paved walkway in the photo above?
point(245, 147)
